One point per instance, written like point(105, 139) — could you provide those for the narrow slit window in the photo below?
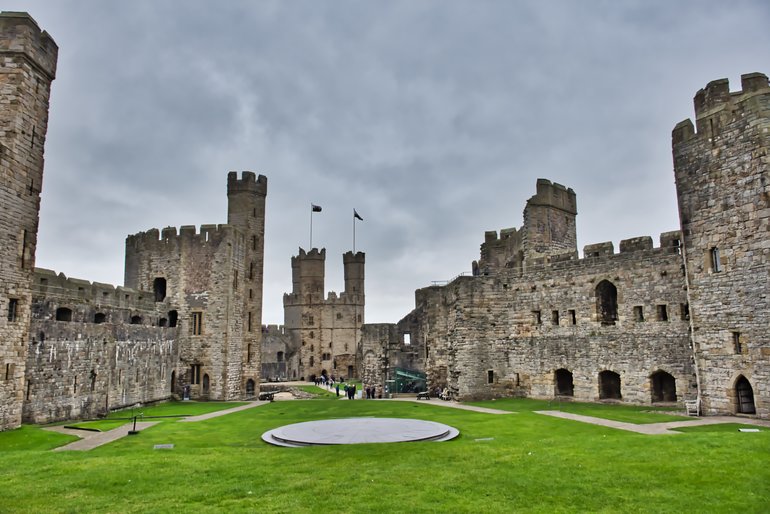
point(716, 260)
point(737, 344)
point(197, 323)
point(572, 317)
point(13, 309)
point(536, 318)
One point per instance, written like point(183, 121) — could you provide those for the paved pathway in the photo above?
point(91, 440)
point(655, 428)
point(453, 405)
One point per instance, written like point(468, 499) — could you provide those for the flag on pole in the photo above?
point(357, 216)
point(315, 208)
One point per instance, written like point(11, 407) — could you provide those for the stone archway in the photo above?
point(744, 396)
point(606, 302)
point(609, 386)
point(662, 387)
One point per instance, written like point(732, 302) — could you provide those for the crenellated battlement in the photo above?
point(47, 283)
point(349, 258)
point(714, 106)
point(249, 182)
point(20, 34)
point(554, 195)
point(313, 255)
point(153, 238)
point(273, 330)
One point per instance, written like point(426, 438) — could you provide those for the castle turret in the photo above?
point(354, 273)
point(28, 61)
point(307, 271)
point(246, 212)
point(549, 223)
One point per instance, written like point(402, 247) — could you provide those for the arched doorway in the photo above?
point(563, 385)
point(250, 388)
point(744, 396)
point(606, 302)
point(663, 387)
point(609, 385)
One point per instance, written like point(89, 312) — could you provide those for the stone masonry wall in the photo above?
point(507, 334)
point(105, 351)
point(27, 67)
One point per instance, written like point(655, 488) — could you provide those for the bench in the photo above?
point(425, 395)
point(266, 396)
point(692, 407)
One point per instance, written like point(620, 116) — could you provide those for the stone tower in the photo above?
point(549, 223)
point(327, 331)
point(27, 68)
point(246, 212)
point(215, 277)
point(723, 190)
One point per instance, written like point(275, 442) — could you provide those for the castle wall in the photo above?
point(27, 68)
point(721, 172)
point(507, 334)
point(106, 351)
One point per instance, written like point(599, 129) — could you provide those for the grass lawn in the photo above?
point(499, 463)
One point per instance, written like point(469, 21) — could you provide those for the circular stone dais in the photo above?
point(359, 430)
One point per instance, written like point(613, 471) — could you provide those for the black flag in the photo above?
point(356, 215)
point(315, 208)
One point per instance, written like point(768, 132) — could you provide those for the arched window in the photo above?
point(663, 387)
point(606, 302)
point(63, 314)
point(609, 386)
point(563, 385)
point(159, 287)
point(100, 317)
point(744, 396)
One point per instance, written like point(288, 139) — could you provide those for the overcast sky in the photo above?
point(433, 119)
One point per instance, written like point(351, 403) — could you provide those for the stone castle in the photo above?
point(681, 320)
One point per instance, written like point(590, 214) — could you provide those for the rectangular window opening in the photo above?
point(536, 318)
point(197, 323)
point(407, 338)
point(490, 377)
point(662, 313)
point(639, 313)
point(572, 317)
point(737, 344)
point(716, 261)
point(684, 310)
point(13, 309)
point(555, 317)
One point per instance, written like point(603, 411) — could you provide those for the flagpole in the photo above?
point(311, 228)
point(354, 231)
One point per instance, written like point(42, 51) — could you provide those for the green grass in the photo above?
point(522, 462)
point(320, 392)
point(724, 427)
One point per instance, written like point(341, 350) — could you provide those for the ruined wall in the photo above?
point(327, 331)
point(508, 334)
point(95, 348)
point(724, 207)
point(279, 354)
point(27, 68)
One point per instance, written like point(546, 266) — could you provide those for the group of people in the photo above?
point(350, 391)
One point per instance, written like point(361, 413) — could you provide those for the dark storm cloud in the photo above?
point(433, 119)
